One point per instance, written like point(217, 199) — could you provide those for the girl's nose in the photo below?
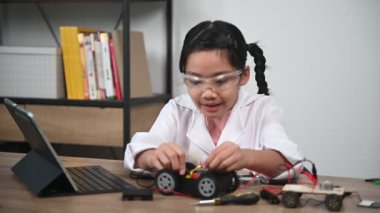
point(209, 92)
point(208, 88)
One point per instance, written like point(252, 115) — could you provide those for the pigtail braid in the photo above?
point(257, 53)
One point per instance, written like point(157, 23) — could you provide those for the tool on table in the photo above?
point(236, 198)
point(373, 180)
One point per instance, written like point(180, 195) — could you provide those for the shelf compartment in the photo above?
point(90, 103)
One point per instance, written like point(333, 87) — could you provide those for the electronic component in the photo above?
point(293, 192)
point(326, 185)
point(369, 204)
point(141, 194)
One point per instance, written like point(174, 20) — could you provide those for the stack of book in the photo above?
point(93, 65)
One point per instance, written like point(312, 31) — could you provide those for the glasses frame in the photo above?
point(204, 80)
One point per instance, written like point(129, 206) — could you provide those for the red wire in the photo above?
point(310, 176)
point(248, 183)
point(305, 172)
point(273, 189)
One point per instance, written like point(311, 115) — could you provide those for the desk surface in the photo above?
point(15, 197)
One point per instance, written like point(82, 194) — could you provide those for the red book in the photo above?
point(115, 72)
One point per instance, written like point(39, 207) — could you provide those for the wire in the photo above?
point(276, 190)
point(289, 167)
point(253, 179)
point(353, 194)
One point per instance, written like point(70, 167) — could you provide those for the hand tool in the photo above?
point(236, 198)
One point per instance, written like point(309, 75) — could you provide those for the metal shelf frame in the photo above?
point(127, 102)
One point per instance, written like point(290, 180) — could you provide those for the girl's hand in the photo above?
point(226, 157)
point(166, 156)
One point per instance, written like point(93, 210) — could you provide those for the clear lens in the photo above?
point(217, 83)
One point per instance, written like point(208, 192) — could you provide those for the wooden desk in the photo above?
point(15, 197)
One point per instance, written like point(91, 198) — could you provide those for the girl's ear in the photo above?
point(244, 77)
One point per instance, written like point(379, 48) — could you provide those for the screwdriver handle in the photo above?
point(244, 199)
point(269, 196)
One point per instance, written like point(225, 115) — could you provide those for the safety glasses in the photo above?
point(219, 83)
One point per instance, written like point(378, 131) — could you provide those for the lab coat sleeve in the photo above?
point(163, 130)
point(273, 136)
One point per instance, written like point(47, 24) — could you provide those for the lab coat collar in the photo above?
point(235, 126)
point(234, 129)
point(198, 133)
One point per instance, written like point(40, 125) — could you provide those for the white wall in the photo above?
point(323, 63)
point(323, 68)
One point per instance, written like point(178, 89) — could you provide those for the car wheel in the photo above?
point(166, 182)
point(290, 199)
point(207, 186)
point(234, 183)
point(333, 202)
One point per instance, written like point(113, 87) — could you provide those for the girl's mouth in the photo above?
point(211, 107)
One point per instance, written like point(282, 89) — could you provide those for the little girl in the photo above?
point(216, 124)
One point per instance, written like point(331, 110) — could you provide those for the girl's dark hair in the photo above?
point(227, 37)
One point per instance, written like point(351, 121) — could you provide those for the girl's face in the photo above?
point(213, 83)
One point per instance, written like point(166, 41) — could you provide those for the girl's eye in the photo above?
point(221, 81)
point(194, 82)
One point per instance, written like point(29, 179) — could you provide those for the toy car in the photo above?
point(293, 192)
point(197, 182)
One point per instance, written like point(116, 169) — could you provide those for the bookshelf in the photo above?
point(127, 102)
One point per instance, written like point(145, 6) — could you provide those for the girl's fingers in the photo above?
point(224, 158)
point(170, 156)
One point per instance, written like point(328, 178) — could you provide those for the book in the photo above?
point(98, 66)
point(88, 47)
point(117, 37)
point(106, 65)
point(115, 72)
point(73, 71)
point(83, 65)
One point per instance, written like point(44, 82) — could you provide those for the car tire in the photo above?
point(333, 202)
point(166, 182)
point(234, 183)
point(290, 199)
point(207, 186)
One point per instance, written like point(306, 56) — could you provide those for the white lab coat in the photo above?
point(254, 123)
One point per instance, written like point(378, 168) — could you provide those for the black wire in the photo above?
point(353, 194)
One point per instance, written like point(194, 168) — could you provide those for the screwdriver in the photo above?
point(244, 198)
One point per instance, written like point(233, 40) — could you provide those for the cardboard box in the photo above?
point(140, 81)
point(31, 72)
